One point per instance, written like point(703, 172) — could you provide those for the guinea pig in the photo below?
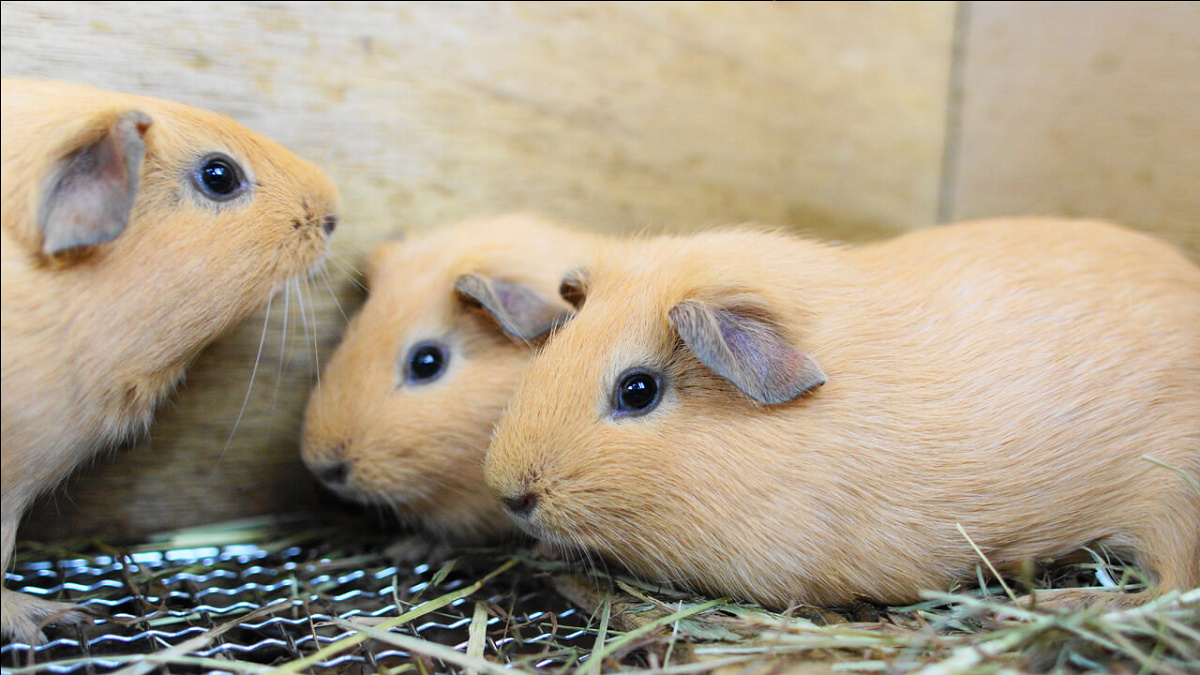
point(135, 230)
point(402, 414)
point(783, 421)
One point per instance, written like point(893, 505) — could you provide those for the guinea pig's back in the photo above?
point(1053, 291)
point(1032, 364)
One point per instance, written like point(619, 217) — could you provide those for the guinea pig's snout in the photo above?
point(333, 475)
point(330, 466)
point(522, 505)
point(521, 492)
point(314, 218)
point(329, 224)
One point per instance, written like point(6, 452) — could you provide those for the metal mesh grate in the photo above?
point(307, 607)
point(160, 599)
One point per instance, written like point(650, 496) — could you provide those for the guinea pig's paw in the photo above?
point(24, 616)
point(1063, 600)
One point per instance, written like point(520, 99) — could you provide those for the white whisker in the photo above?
point(287, 306)
point(262, 340)
point(329, 286)
point(299, 335)
point(310, 329)
point(348, 270)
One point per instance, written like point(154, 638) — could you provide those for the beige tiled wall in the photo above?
point(848, 120)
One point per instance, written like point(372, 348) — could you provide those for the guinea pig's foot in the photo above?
point(24, 616)
point(1076, 599)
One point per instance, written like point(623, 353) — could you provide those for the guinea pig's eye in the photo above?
point(219, 178)
point(426, 363)
point(637, 393)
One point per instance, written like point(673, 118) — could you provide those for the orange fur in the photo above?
point(96, 336)
point(418, 448)
point(1004, 375)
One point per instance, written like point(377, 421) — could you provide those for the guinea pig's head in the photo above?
point(626, 435)
point(403, 412)
point(180, 212)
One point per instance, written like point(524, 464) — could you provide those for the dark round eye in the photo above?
point(426, 362)
point(219, 178)
point(637, 393)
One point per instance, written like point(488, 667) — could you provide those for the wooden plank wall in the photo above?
point(1081, 109)
point(845, 120)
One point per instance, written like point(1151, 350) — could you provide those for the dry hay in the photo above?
point(272, 597)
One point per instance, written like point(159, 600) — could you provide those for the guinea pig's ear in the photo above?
point(573, 288)
point(747, 350)
point(519, 310)
point(89, 195)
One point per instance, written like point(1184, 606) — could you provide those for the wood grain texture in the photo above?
point(825, 117)
point(1082, 109)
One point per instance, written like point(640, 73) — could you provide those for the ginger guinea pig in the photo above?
point(403, 412)
point(135, 230)
point(782, 421)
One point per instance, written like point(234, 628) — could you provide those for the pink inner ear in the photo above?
point(749, 352)
point(91, 196)
point(520, 311)
point(524, 305)
point(529, 315)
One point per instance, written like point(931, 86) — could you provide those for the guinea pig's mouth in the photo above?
point(335, 480)
point(529, 513)
point(566, 546)
point(316, 236)
point(305, 283)
point(521, 506)
point(522, 511)
point(319, 269)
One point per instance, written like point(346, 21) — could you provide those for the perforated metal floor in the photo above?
point(160, 599)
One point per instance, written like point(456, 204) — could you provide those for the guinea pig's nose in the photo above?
point(521, 505)
point(333, 475)
point(329, 224)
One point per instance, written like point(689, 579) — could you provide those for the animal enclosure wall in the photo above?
point(842, 120)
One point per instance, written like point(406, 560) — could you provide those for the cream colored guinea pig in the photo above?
point(403, 412)
point(135, 231)
point(786, 422)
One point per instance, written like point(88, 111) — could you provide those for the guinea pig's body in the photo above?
point(818, 421)
point(135, 231)
point(404, 410)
